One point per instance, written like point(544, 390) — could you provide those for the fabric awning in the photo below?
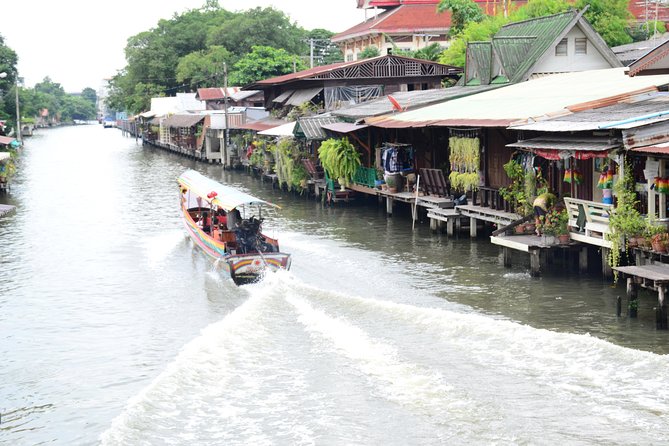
point(344, 127)
point(565, 147)
point(282, 130)
point(302, 96)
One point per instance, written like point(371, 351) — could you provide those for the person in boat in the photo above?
point(221, 219)
point(234, 219)
point(206, 222)
point(541, 206)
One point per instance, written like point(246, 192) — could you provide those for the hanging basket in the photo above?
point(605, 180)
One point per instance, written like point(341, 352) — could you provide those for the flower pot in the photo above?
point(548, 239)
point(520, 229)
point(392, 190)
point(564, 239)
point(530, 228)
point(658, 246)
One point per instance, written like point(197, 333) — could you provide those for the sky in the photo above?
point(80, 43)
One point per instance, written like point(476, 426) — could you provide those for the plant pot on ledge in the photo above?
point(563, 239)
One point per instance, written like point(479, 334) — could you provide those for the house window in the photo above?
point(349, 58)
point(581, 46)
point(561, 48)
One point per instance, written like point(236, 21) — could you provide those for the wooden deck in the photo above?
point(654, 277)
point(538, 250)
point(499, 217)
point(594, 219)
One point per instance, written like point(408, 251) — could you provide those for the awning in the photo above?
point(261, 125)
point(282, 130)
point(564, 147)
point(656, 149)
point(344, 127)
point(147, 114)
point(283, 96)
point(6, 140)
point(302, 96)
point(182, 121)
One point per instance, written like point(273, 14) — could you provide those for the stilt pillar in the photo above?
point(450, 226)
point(506, 252)
point(632, 297)
point(583, 260)
point(661, 308)
point(389, 206)
point(472, 227)
point(535, 262)
point(607, 272)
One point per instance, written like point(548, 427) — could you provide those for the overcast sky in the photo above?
point(79, 43)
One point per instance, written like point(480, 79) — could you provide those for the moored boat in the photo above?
point(216, 219)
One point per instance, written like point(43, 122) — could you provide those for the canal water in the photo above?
point(114, 330)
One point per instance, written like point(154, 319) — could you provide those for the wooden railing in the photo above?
point(589, 221)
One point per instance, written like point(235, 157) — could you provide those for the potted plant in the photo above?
point(391, 182)
point(659, 242)
point(554, 225)
point(340, 159)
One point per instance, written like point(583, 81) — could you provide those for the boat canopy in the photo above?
point(215, 193)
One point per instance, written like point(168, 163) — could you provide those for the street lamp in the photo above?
point(18, 115)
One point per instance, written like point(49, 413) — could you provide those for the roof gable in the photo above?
point(655, 61)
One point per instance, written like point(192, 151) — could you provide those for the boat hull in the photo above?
point(242, 268)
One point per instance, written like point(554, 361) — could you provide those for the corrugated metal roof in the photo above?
point(302, 96)
point(262, 124)
point(633, 51)
point(343, 127)
point(659, 149)
point(282, 130)
point(182, 121)
point(477, 67)
point(283, 96)
point(4, 140)
point(567, 143)
point(310, 128)
point(655, 59)
point(410, 100)
point(641, 110)
point(532, 99)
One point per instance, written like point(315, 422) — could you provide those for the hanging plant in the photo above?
point(464, 159)
point(339, 158)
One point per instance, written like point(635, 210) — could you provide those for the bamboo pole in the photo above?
point(415, 203)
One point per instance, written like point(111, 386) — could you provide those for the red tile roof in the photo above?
point(405, 18)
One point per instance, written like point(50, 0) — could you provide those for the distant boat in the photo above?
point(213, 219)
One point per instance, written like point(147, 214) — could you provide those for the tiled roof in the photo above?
point(405, 18)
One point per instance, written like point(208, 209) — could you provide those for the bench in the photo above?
point(595, 221)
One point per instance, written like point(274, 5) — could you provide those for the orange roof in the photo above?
point(405, 18)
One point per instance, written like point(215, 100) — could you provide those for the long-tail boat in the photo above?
point(217, 219)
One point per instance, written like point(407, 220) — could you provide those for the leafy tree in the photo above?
point(203, 68)
point(325, 52)
point(610, 18)
point(8, 61)
point(258, 27)
point(90, 95)
point(77, 107)
point(369, 52)
point(264, 62)
point(462, 13)
point(431, 52)
point(473, 32)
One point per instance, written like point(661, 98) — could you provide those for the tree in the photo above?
point(473, 32)
point(462, 13)
point(325, 52)
point(430, 52)
point(258, 27)
point(90, 95)
point(264, 62)
point(8, 60)
point(203, 68)
point(369, 52)
point(610, 18)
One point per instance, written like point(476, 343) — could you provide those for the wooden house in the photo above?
point(336, 85)
point(214, 97)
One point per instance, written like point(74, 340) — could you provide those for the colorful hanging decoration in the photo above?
point(662, 185)
point(605, 180)
point(573, 174)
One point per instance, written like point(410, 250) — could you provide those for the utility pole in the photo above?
point(18, 114)
point(226, 132)
point(311, 53)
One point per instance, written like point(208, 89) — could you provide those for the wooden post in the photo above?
point(389, 206)
point(458, 224)
point(607, 272)
point(450, 223)
point(632, 296)
point(506, 252)
point(433, 224)
point(583, 260)
point(535, 262)
point(472, 227)
point(661, 308)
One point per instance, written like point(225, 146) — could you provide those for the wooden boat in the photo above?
point(213, 217)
